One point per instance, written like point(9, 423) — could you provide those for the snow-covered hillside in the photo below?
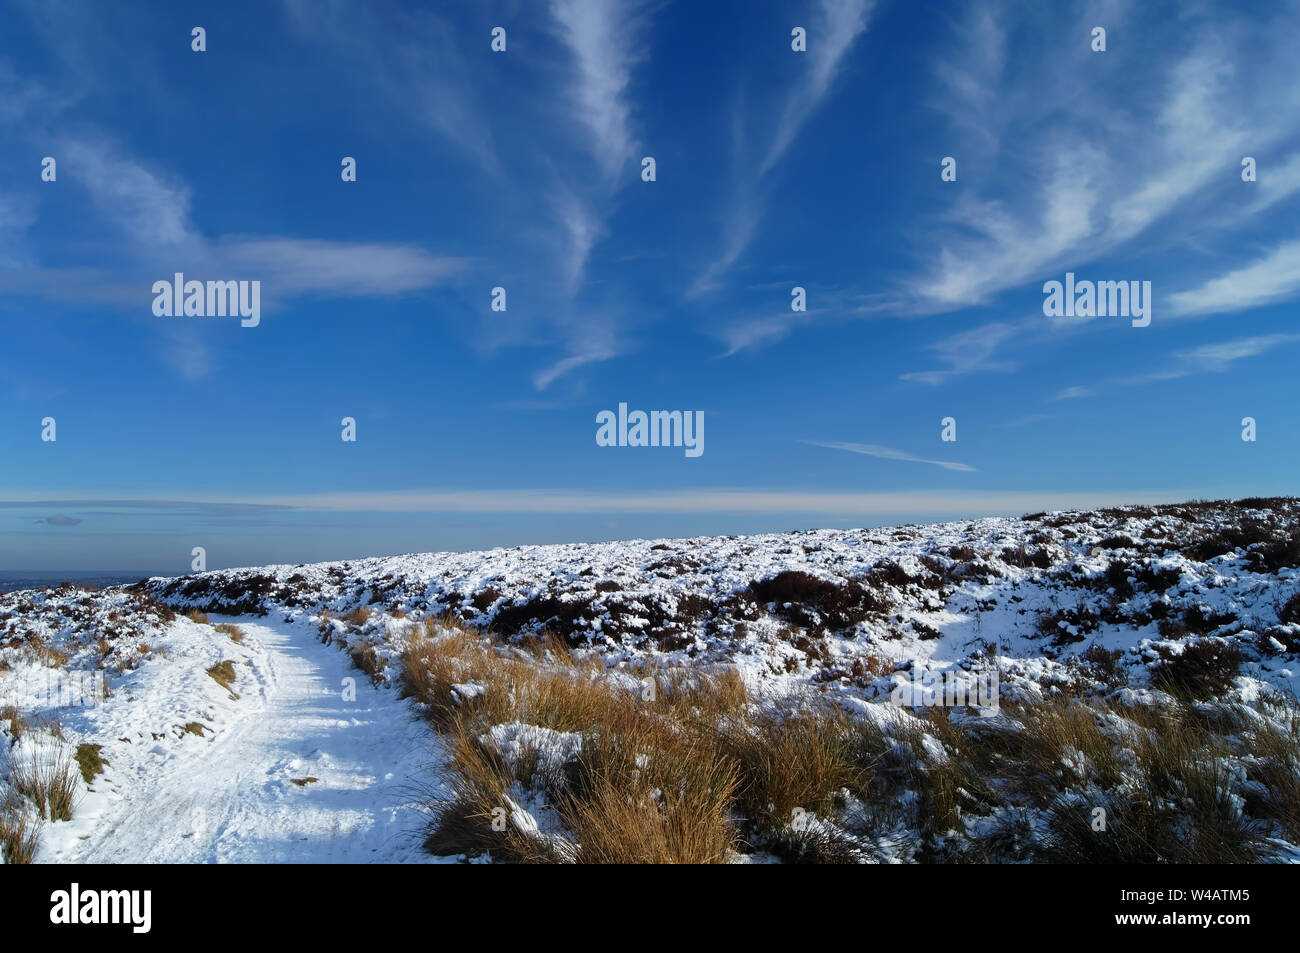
point(797, 607)
point(302, 749)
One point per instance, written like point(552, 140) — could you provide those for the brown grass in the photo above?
point(1277, 767)
point(90, 761)
point(798, 762)
point(357, 617)
point(19, 835)
point(676, 765)
point(45, 654)
point(50, 785)
point(235, 632)
point(644, 804)
point(223, 673)
point(367, 659)
point(647, 787)
point(17, 723)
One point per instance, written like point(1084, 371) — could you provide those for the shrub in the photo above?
point(1157, 580)
point(807, 601)
point(1206, 668)
point(543, 612)
point(1119, 541)
point(1290, 612)
point(1057, 624)
point(1105, 663)
point(1201, 622)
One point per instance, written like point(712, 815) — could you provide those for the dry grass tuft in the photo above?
point(674, 764)
point(19, 835)
point(90, 761)
point(50, 784)
point(223, 673)
point(235, 632)
point(799, 762)
point(17, 723)
point(357, 617)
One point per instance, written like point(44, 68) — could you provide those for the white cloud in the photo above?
point(1276, 277)
point(744, 335)
point(886, 453)
point(151, 208)
point(829, 40)
point(601, 35)
point(589, 355)
point(830, 37)
point(1215, 357)
point(885, 504)
point(1206, 359)
point(1073, 393)
point(968, 352)
point(295, 266)
point(1208, 111)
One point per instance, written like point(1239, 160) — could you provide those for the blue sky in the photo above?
point(522, 169)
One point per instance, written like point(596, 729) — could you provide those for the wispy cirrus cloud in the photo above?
point(1217, 99)
point(346, 269)
point(968, 352)
point(888, 453)
point(151, 209)
point(831, 36)
point(1268, 280)
point(602, 36)
point(605, 41)
point(760, 332)
point(149, 206)
point(1205, 359)
point(839, 24)
point(549, 374)
point(414, 59)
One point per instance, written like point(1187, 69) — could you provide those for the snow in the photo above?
point(169, 796)
point(196, 773)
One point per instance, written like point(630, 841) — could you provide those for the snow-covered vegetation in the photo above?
point(712, 699)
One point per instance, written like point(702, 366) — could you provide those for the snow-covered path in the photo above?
point(229, 796)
